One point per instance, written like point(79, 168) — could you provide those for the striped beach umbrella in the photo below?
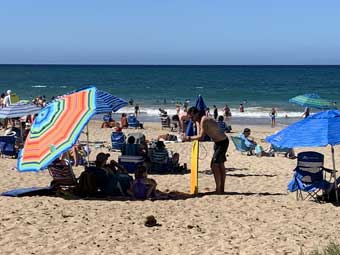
point(56, 128)
point(107, 103)
point(313, 101)
point(19, 110)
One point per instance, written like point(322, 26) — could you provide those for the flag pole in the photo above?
point(334, 174)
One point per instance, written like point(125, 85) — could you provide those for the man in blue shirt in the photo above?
point(250, 143)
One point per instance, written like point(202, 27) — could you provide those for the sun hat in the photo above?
point(9, 91)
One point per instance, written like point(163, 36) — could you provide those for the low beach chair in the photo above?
point(133, 122)
point(309, 176)
point(160, 161)
point(240, 145)
point(165, 121)
point(62, 174)
point(130, 163)
point(281, 151)
point(7, 146)
point(117, 141)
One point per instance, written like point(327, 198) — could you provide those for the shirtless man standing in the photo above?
point(209, 126)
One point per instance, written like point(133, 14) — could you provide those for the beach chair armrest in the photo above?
point(329, 170)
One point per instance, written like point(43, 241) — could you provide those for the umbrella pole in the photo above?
point(88, 145)
point(334, 174)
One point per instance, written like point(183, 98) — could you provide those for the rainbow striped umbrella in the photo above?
point(56, 128)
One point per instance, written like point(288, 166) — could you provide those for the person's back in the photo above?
point(212, 129)
point(131, 150)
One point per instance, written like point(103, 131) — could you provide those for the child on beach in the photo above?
point(143, 187)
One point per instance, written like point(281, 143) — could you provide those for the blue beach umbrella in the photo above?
point(107, 103)
point(313, 101)
point(19, 110)
point(320, 129)
point(200, 105)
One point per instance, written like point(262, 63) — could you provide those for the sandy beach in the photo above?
point(256, 215)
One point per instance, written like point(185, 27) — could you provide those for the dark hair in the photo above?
point(123, 114)
point(194, 110)
point(131, 139)
point(246, 130)
point(220, 118)
point(140, 172)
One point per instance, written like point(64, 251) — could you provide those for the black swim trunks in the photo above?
point(220, 150)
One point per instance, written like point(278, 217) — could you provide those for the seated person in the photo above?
point(107, 181)
point(248, 141)
point(124, 121)
point(131, 148)
point(167, 137)
point(222, 125)
point(160, 155)
point(117, 127)
point(143, 187)
point(76, 155)
point(108, 122)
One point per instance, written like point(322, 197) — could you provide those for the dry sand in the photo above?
point(256, 215)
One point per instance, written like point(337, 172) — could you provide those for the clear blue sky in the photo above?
point(170, 32)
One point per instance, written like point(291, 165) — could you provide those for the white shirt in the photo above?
point(7, 100)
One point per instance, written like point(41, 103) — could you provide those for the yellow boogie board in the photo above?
point(194, 168)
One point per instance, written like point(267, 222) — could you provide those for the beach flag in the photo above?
point(194, 169)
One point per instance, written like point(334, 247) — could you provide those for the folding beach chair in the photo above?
point(160, 161)
point(117, 141)
point(165, 121)
point(133, 122)
point(62, 174)
point(7, 146)
point(309, 176)
point(240, 145)
point(139, 137)
point(130, 163)
point(281, 151)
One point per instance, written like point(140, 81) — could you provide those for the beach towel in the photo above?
point(33, 191)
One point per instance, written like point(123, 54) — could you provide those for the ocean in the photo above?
point(259, 88)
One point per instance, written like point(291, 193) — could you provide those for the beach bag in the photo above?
point(258, 150)
point(87, 185)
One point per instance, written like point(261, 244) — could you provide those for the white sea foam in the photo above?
point(250, 112)
point(39, 86)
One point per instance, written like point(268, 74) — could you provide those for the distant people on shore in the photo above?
point(137, 111)
point(241, 108)
point(226, 112)
point(272, 115)
point(123, 121)
point(215, 112)
point(306, 112)
point(178, 108)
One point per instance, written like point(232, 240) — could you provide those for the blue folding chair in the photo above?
point(281, 151)
point(7, 146)
point(130, 163)
point(133, 122)
point(240, 145)
point(117, 140)
point(309, 176)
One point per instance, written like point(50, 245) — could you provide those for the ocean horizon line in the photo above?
point(180, 65)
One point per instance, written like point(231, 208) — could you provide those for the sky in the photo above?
point(184, 32)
